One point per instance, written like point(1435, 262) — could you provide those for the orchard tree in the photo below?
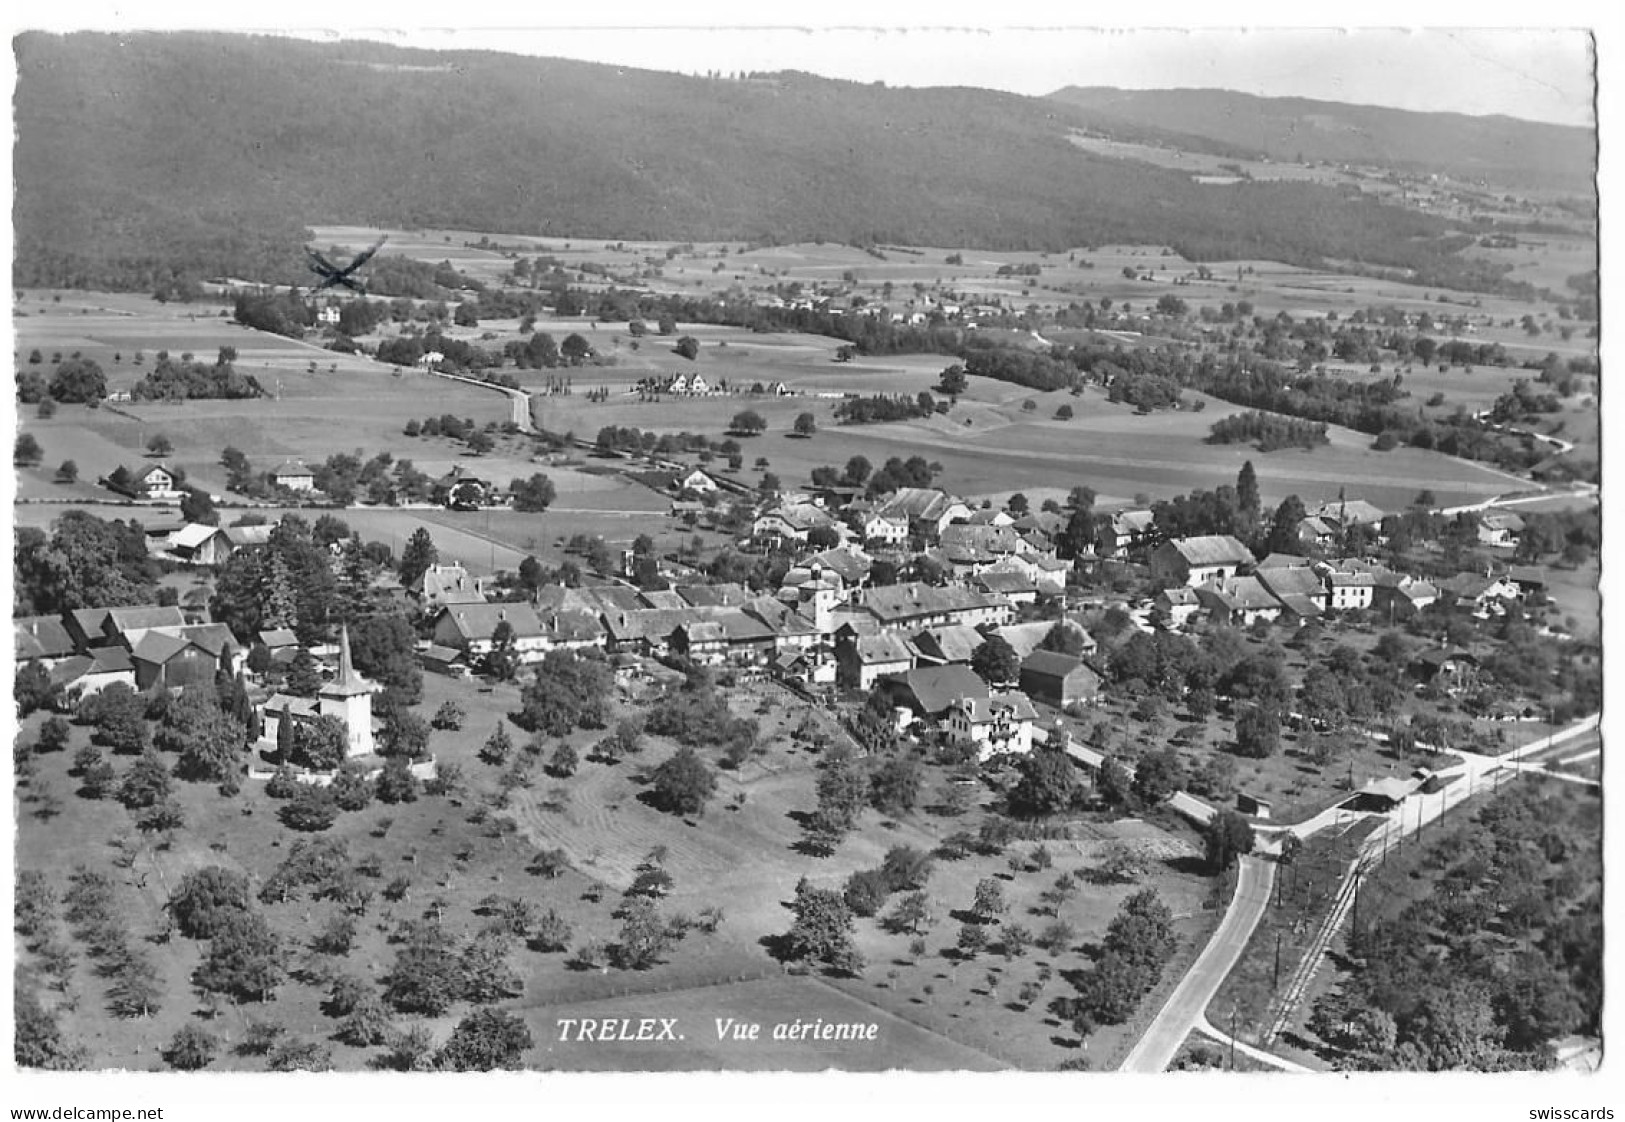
point(684, 783)
point(486, 1040)
point(822, 931)
point(805, 425)
point(1048, 784)
point(748, 422)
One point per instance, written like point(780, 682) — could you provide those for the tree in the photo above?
point(1227, 836)
point(1283, 534)
point(192, 1048)
point(320, 743)
point(995, 660)
point(449, 716)
point(311, 809)
point(68, 472)
point(208, 741)
point(502, 660)
point(989, 902)
point(27, 451)
point(688, 347)
point(567, 690)
point(206, 899)
point(1159, 775)
point(304, 675)
point(244, 959)
point(1047, 785)
point(498, 747)
point(953, 381)
point(972, 940)
point(486, 1040)
point(822, 931)
point(159, 445)
point(487, 974)
point(33, 689)
point(78, 380)
point(1258, 732)
point(1247, 497)
point(644, 936)
point(748, 422)
point(806, 424)
point(427, 974)
point(147, 783)
point(535, 494)
point(684, 783)
point(419, 554)
point(894, 786)
point(396, 783)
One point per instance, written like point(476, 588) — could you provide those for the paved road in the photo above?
point(1185, 1008)
point(519, 399)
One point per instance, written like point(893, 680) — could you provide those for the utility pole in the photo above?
point(1233, 1037)
point(1277, 962)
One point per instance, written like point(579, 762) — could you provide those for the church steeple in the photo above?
point(346, 682)
point(345, 669)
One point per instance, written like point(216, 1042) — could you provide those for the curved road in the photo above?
point(518, 398)
point(1185, 1007)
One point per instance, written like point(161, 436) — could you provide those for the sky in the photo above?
point(1535, 72)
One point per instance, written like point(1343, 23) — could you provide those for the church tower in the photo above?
point(349, 698)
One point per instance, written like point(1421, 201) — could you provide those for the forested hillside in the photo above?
point(1501, 150)
point(139, 156)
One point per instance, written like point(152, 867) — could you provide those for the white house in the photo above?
point(997, 724)
point(294, 476)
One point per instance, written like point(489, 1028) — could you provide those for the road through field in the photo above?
point(1185, 1008)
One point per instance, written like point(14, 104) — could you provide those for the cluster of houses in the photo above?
point(146, 647)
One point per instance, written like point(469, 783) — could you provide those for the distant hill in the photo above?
point(1500, 150)
point(144, 155)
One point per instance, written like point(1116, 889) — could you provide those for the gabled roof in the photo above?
point(1009, 705)
point(1179, 596)
point(648, 623)
point(1212, 549)
point(1053, 664)
point(250, 535)
point(279, 637)
point(1501, 520)
point(215, 638)
point(1300, 605)
point(850, 564)
point(666, 598)
point(150, 470)
point(41, 637)
point(157, 648)
point(918, 503)
point(110, 659)
point(1125, 522)
point(937, 687)
point(1350, 512)
point(1283, 561)
point(1240, 594)
point(133, 619)
point(193, 534)
point(289, 468)
point(954, 643)
point(1005, 583)
point(1025, 637)
point(1292, 582)
point(711, 595)
point(478, 622)
point(883, 647)
point(900, 602)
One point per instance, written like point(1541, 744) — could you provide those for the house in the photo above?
point(91, 673)
point(293, 476)
point(727, 635)
point(329, 315)
point(1530, 579)
point(1058, 679)
point(968, 548)
point(243, 537)
point(848, 562)
point(1301, 589)
point(471, 628)
point(165, 660)
point(1317, 532)
point(999, 724)
point(160, 530)
point(440, 585)
point(861, 660)
point(104, 627)
point(1349, 591)
point(1342, 514)
point(990, 516)
point(196, 544)
point(707, 596)
point(1254, 806)
point(928, 691)
point(282, 643)
point(156, 482)
point(1500, 529)
point(914, 606)
point(953, 643)
point(1175, 606)
point(41, 639)
point(1016, 587)
point(1446, 669)
point(1401, 597)
point(1241, 601)
point(463, 490)
point(1025, 638)
point(1477, 592)
point(809, 667)
point(1125, 532)
point(882, 528)
point(1198, 560)
point(698, 482)
point(1282, 561)
point(792, 521)
point(926, 510)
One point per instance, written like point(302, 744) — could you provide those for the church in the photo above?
point(348, 696)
